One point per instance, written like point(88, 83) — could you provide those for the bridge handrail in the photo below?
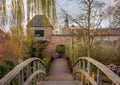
point(14, 72)
point(112, 76)
point(27, 82)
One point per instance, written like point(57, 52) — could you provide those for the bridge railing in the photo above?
point(82, 70)
point(26, 73)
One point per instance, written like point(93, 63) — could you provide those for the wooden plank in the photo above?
point(99, 77)
point(21, 77)
point(83, 77)
point(89, 71)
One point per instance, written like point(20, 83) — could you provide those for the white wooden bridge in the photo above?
point(32, 72)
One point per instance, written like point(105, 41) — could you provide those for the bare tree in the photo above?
point(91, 16)
point(113, 14)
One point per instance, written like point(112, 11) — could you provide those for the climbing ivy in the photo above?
point(37, 48)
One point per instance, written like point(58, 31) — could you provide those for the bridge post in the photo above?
point(21, 77)
point(79, 67)
point(38, 68)
point(75, 69)
point(99, 77)
point(83, 77)
point(89, 71)
point(34, 69)
point(113, 83)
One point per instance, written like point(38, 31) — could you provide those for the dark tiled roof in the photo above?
point(39, 21)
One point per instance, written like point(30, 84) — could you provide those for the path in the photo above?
point(59, 74)
point(59, 71)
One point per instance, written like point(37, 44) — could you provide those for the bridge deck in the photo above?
point(59, 71)
point(59, 83)
point(59, 74)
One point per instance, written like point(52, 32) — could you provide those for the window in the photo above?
point(38, 33)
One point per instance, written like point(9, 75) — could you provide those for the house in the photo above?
point(107, 34)
point(6, 51)
point(3, 36)
point(40, 28)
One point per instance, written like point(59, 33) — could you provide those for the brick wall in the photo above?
point(48, 32)
point(56, 40)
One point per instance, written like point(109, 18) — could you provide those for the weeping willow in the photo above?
point(17, 12)
point(34, 7)
point(3, 13)
point(17, 32)
point(42, 7)
point(45, 7)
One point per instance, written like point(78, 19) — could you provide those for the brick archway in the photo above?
point(56, 40)
point(60, 50)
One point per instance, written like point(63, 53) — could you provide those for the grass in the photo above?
point(70, 53)
point(47, 61)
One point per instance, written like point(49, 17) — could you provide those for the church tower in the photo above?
point(66, 29)
point(66, 22)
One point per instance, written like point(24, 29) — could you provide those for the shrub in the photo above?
point(60, 49)
point(105, 54)
point(6, 67)
point(37, 48)
point(47, 62)
point(70, 53)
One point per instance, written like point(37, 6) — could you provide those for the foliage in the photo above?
point(3, 14)
point(70, 52)
point(90, 17)
point(60, 49)
point(104, 53)
point(17, 13)
point(6, 67)
point(37, 48)
point(47, 62)
point(18, 39)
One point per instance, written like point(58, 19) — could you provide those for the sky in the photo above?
point(72, 8)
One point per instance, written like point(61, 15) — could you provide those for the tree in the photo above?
point(3, 13)
point(45, 7)
point(113, 14)
point(22, 45)
point(91, 16)
point(17, 32)
point(17, 18)
point(17, 13)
